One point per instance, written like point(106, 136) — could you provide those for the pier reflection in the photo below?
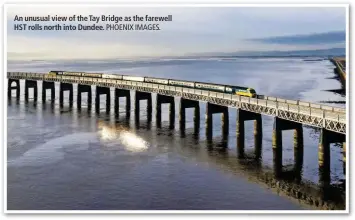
point(288, 182)
point(285, 180)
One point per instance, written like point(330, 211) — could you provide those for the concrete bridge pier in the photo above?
point(143, 96)
point(258, 136)
point(10, 88)
point(325, 139)
point(186, 103)
point(123, 93)
point(298, 152)
point(100, 91)
point(31, 84)
point(84, 88)
point(243, 116)
point(65, 87)
point(279, 126)
point(212, 109)
point(48, 85)
point(161, 99)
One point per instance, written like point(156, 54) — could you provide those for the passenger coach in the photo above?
point(236, 90)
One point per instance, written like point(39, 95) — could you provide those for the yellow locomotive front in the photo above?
point(249, 92)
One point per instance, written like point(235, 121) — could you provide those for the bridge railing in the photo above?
point(299, 109)
point(292, 106)
point(310, 110)
point(307, 104)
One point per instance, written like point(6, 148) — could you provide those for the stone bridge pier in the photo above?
point(143, 96)
point(10, 88)
point(31, 84)
point(162, 99)
point(123, 93)
point(186, 103)
point(48, 85)
point(84, 88)
point(102, 91)
point(213, 109)
point(66, 87)
point(279, 126)
point(243, 116)
point(325, 139)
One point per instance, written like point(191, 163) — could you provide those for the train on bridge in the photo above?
point(236, 90)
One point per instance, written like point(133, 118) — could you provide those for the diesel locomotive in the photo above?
point(236, 90)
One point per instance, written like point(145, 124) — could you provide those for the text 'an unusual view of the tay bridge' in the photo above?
point(288, 114)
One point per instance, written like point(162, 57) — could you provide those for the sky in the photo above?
point(193, 30)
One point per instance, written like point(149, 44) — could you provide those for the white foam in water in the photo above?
point(128, 140)
point(52, 151)
point(132, 142)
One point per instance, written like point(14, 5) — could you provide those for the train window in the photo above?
point(252, 90)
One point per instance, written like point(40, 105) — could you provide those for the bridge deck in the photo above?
point(316, 115)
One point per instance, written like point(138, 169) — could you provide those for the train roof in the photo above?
point(65, 71)
point(154, 77)
point(239, 87)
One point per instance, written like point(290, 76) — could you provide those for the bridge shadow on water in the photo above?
point(288, 182)
point(285, 180)
point(341, 91)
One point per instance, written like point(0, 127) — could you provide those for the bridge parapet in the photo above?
point(283, 106)
point(262, 102)
point(293, 108)
point(308, 104)
point(272, 104)
point(317, 112)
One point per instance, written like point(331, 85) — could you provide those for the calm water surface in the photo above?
point(70, 159)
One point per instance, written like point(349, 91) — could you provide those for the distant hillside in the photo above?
point(309, 39)
point(323, 52)
point(293, 53)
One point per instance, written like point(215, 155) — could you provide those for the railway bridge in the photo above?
point(288, 114)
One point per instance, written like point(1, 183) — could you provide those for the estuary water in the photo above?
point(63, 158)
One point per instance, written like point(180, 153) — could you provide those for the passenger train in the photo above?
point(236, 90)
